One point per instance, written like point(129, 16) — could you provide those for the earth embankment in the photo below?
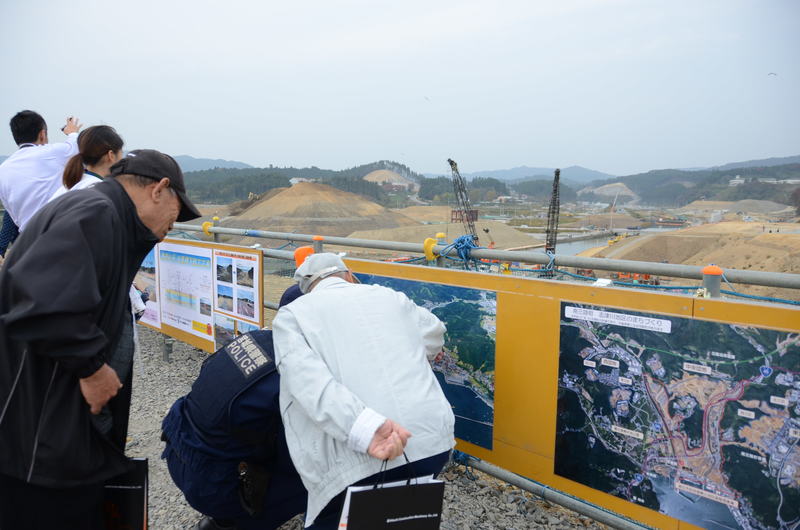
point(771, 247)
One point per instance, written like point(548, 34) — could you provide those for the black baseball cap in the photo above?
point(156, 165)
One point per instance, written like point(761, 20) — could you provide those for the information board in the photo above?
point(202, 293)
point(698, 420)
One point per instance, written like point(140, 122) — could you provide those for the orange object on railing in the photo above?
point(301, 253)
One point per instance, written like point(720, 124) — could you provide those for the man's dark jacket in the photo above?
point(63, 296)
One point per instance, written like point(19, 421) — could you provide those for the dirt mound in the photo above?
point(384, 175)
point(503, 235)
point(755, 206)
point(610, 190)
point(429, 214)
point(745, 246)
point(311, 208)
point(707, 206)
point(220, 210)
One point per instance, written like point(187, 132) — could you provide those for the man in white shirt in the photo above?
point(356, 385)
point(31, 175)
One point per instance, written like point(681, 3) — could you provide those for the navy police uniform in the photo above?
point(225, 444)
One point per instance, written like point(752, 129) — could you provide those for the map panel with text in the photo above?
point(466, 370)
point(698, 420)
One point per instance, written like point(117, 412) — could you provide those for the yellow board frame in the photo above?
point(194, 340)
point(528, 331)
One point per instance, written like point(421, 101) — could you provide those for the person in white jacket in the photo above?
point(30, 176)
point(356, 385)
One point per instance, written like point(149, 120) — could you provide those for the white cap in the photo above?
point(317, 267)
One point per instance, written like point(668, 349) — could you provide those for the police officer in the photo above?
point(225, 444)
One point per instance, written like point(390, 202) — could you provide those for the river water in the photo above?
point(576, 247)
point(467, 407)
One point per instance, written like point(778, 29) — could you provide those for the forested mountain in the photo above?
point(224, 185)
point(664, 187)
point(190, 163)
point(440, 189)
point(574, 173)
point(541, 190)
point(673, 187)
point(764, 162)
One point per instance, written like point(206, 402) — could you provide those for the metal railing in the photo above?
point(760, 278)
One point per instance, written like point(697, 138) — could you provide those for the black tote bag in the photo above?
point(413, 504)
point(125, 498)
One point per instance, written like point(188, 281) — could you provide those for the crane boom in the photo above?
point(464, 210)
point(552, 216)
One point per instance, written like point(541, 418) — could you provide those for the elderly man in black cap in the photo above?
point(63, 295)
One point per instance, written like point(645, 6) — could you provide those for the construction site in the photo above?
point(748, 235)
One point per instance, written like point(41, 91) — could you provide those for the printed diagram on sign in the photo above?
point(698, 420)
point(186, 278)
point(202, 293)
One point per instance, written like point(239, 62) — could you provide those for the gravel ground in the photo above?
point(476, 501)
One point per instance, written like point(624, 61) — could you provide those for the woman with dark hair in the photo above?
point(99, 147)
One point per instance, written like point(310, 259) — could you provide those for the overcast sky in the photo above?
point(618, 86)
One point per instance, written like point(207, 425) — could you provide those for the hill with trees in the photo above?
point(541, 190)
point(224, 185)
point(440, 189)
point(674, 187)
point(573, 173)
point(190, 163)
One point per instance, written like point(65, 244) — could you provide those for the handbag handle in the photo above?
point(383, 470)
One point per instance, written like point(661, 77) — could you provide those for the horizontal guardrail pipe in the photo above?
point(551, 495)
point(306, 238)
point(763, 278)
point(694, 272)
point(279, 254)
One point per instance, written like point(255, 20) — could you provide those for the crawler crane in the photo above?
point(463, 211)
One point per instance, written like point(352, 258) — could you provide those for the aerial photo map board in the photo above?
point(466, 372)
point(695, 419)
point(202, 293)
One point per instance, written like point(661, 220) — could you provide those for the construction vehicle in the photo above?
point(635, 277)
point(463, 212)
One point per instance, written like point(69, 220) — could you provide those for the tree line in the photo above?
point(480, 189)
point(225, 185)
point(672, 187)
